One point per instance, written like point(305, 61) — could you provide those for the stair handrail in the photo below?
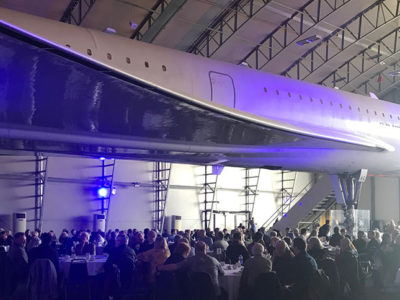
point(276, 214)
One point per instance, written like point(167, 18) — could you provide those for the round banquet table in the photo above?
point(94, 267)
point(230, 282)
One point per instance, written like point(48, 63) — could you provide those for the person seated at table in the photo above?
point(122, 257)
point(219, 242)
point(282, 262)
point(4, 241)
point(348, 266)
point(253, 267)
point(335, 238)
point(156, 257)
point(181, 252)
point(201, 262)
point(303, 267)
point(236, 248)
point(361, 242)
point(111, 242)
point(136, 241)
point(257, 238)
point(84, 246)
point(66, 244)
point(98, 239)
point(202, 237)
point(17, 271)
point(315, 248)
point(149, 242)
point(175, 243)
point(34, 242)
point(44, 250)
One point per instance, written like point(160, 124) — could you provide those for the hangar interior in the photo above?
point(351, 45)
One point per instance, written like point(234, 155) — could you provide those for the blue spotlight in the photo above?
point(102, 192)
point(285, 215)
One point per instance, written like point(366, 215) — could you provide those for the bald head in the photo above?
point(258, 249)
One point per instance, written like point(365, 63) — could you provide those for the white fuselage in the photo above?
point(257, 96)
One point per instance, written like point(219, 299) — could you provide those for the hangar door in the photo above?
point(222, 89)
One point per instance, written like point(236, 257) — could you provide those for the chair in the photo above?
point(202, 286)
point(267, 284)
point(78, 281)
point(42, 280)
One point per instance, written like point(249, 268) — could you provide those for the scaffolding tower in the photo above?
point(107, 180)
point(251, 179)
point(208, 191)
point(161, 176)
point(40, 175)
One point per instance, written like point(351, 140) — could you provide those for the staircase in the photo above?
point(317, 198)
point(327, 203)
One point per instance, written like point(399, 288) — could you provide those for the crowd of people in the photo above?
point(296, 264)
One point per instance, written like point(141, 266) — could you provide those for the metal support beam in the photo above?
point(156, 19)
point(252, 177)
point(374, 17)
point(347, 189)
point(365, 61)
point(225, 26)
point(76, 11)
point(208, 191)
point(161, 177)
point(299, 23)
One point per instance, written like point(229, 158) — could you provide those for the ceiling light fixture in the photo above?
point(394, 73)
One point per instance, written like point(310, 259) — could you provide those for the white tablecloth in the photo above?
point(231, 282)
point(94, 267)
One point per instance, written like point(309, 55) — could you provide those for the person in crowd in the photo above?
point(4, 241)
point(324, 230)
point(219, 242)
point(149, 241)
point(282, 262)
point(253, 267)
point(111, 243)
point(389, 258)
point(361, 242)
point(35, 241)
point(136, 241)
point(180, 253)
point(343, 233)
point(303, 267)
point(288, 241)
point(66, 244)
point(227, 236)
point(175, 243)
point(313, 233)
point(373, 245)
point(335, 238)
point(315, 248)
point(99, 240)
point(201, 262)
point(304, 234)
point(44, 250)
point(348, 267)
point(296, 233)
point(171, 237)
point(18, 272)
point(202, 237)
point(236, 249)
point(272, 244)
point(122, 257)
point(28, 235)
point(156, 257)
point(84, 246)
point(257, 238)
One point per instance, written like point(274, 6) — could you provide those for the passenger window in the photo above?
point(128, 60)
point(109, 56)
point(265, 90)
point(331, 103)
point(311, 100)
point(68, 45)
point(164, 68)
point(320, 100)
point(89, 52)
point(289, 94)
point(146, 64)
point(300, 97)
point(277, 92)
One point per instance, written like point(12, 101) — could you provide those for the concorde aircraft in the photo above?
point(75, 90)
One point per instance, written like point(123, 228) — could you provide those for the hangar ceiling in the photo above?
point(348, 44)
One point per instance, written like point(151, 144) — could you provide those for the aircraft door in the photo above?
point(222, 89)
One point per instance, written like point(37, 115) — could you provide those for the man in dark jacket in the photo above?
point(303, 266)
point(44, 251)
point(236, 249)
point(122, 257)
